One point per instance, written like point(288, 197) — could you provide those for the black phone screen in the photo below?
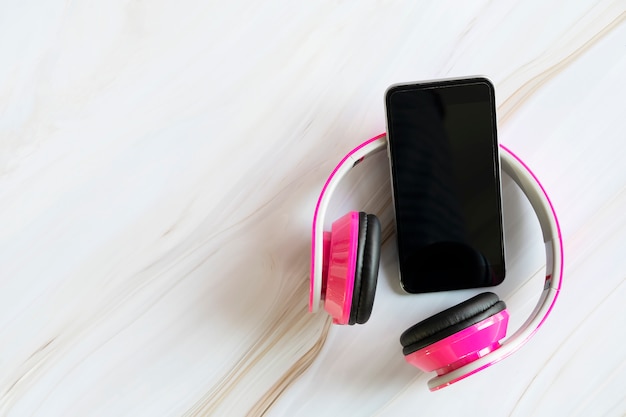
point(445, 171)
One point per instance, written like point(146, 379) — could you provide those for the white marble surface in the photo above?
point(159, 165)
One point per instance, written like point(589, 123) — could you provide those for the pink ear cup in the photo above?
point(462, 347)
point(338, 275)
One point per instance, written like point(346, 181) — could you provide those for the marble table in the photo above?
point(159, 167)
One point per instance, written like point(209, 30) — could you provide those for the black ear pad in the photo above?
point(450, 321)
point(366, 271)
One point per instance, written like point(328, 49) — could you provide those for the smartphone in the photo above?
point(445, 173)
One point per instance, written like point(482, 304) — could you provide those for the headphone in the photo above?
point(456, 342)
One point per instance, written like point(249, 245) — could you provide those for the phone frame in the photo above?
point(495, 158)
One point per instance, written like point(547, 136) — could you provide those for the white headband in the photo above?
point(534, 191)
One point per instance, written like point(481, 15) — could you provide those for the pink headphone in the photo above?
point(456, 342)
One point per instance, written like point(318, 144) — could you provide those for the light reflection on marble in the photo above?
point(160, 162)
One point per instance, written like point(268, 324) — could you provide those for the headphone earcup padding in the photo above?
point(366, 273)
point(450, 321)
